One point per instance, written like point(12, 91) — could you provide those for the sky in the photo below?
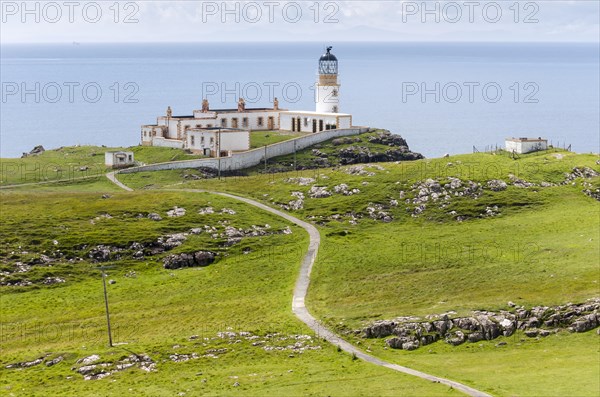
point(210, 21)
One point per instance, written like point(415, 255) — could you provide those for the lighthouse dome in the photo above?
point(328, 63)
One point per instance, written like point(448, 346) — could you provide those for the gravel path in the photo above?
point(301, 289)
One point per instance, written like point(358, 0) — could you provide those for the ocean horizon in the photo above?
point(441, 97)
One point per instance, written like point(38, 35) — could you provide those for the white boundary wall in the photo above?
point(238, 161)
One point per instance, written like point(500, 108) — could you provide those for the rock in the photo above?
point(496, 185)
point(532, 333)
point(88, 360)
point(319, 192)
point(585, 323)
point(532, 323)
point(489, 328)
point(410, 345)
point(112, 281)
point(467, 323)
point(199, 258)
point(544, 332)
point(300, 181)
point(396, 342)
point(176, 212)
point(54, 361)
point(154, 216)
point(475, 337)
point(206, 211)
point(37, 150)
point(457, 339)
point(343, 189)
point(103, 253)
point(379, 329)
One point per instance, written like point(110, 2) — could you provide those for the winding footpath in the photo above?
point(301, 290)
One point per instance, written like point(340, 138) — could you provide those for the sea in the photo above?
point(441, 97)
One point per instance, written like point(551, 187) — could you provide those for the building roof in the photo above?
point(119, 152)
point(216, 129)
point(540, 139)
point(311, 113)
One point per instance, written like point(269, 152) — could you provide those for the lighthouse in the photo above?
point(327, 94)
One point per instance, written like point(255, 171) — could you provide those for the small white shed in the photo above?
point(525, 145)
point(118, 159)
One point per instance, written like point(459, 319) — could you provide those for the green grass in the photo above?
point(262, 138)
point(160, 309)
point(560, 365)
point(68, 164)
point(541, 249)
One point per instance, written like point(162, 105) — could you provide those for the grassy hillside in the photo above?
point(398, 239)
point(71, 163)
point(155, 311)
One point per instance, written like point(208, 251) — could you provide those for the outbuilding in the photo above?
point(525, 145)
point(119, 159)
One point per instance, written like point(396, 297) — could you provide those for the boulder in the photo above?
point(410, 345)
point(497, 185)
point(585, 323)
point(456, 338)
point(379, 329)
point(475, 337)
point(154, 216)
point(199, 258)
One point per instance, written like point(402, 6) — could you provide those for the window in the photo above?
point(334, 92)
point(198, 125)
point(193, 140)
point(130, 157)
point(260, 122)
point(209, 126)
point(306, 121)
point(234, 122)
point(212, 141)
point(145, 133)
point(223, 122)
point(201, 140)
point(335, 109)
point(245, 122)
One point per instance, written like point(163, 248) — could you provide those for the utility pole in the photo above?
point(219, 152)
point(295, 167)
point(265, 159)
point(102, 268)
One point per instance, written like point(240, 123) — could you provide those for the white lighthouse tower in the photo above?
point(327, 94)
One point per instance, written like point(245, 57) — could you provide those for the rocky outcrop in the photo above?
point(319, 192)
point(539, 321)
point(92, 370)
point(36, 151)
point(196, 259)
point(363, 154)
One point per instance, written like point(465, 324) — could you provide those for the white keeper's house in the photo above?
point(220, 132)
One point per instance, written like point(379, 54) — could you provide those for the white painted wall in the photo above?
point(252, 157)
point(326, 100)
point(235, 141)
point(118, 159)
point(162, 142)
point(525, 146)
point(306, 120)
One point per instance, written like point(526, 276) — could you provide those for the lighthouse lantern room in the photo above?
point(328, 89)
